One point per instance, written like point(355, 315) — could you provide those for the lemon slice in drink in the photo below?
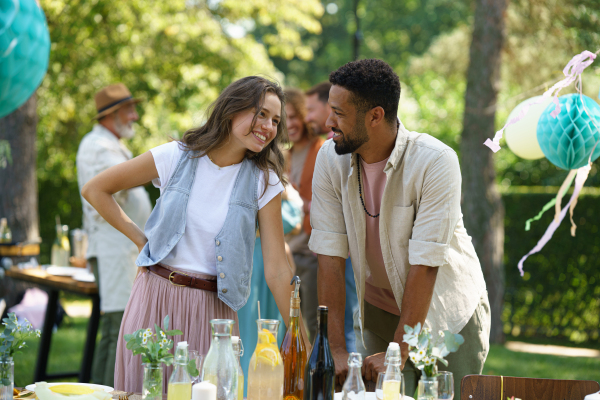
point(265, 337)
point(71, 389)
point(268, 356)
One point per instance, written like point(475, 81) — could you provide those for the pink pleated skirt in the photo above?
point(189, 310)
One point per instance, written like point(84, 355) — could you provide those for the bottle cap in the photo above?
point(235, 339)
point(182, 345)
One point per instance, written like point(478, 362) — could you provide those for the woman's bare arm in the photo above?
point(278, 272)
point(100, 189)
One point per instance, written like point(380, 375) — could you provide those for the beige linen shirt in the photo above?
point(420, 223)
point(116, 254)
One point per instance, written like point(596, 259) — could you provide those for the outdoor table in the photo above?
point(52, 285)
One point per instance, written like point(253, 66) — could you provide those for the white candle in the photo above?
point(204, 391)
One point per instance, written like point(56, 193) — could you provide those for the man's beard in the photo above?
point(350, 143)
point(123, 130)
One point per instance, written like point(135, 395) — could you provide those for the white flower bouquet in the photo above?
point(154, 347)
point(425, 351)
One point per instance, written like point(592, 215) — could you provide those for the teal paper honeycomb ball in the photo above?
point(568, 139)
point(24, 52)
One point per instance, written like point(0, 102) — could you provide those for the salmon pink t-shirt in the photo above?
point(378, 290)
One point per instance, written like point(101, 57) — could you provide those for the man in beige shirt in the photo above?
point(391, 198)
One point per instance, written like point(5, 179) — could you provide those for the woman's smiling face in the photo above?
point(265, 129)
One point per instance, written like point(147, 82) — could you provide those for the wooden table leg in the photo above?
point(44, 350)
point(90, 342)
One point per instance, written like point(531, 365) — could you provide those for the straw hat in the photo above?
point(111, 98)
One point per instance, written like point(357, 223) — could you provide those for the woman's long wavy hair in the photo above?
point(242, 95)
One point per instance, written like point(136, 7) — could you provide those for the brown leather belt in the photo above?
point(181, 279)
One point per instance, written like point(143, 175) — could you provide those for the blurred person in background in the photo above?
point(300, 166)
point(317, 104)
point(317, 109)
point(111, 255)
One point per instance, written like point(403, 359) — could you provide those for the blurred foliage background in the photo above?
point(178, 55)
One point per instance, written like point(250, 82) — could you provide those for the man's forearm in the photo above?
point(415, 301)
point(332, 293)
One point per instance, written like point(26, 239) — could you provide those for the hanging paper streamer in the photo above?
point(572, 71)
point(24, 52)
point(582, 175)
point(552, 202)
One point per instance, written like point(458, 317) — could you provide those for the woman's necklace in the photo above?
point(213, 161)
point(360, 189)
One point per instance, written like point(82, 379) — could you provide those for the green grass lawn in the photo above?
point(67, 348)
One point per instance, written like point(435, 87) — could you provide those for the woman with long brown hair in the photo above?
point(216, 184)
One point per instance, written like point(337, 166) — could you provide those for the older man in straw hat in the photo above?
point(111, 255)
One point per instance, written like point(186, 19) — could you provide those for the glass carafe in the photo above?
point(220, 365)
point(265, 372)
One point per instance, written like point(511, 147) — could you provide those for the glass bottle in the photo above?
point(5, 233)
point(180, 382)
point(61, 248)
point(293, 351)
point(392, 382)
point(354, 387)
point(265, 372)
point(65, 244)
point(220, 365)
point(238, 350)
point(319, 376)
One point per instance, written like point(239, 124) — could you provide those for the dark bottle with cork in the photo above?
point(319, 377)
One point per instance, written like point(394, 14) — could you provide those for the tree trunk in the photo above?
point(482, 204)
point(18, 189)
point(18, 183)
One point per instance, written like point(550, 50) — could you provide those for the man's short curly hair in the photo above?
point(372, 83)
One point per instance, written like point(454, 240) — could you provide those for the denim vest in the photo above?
point(234, 245)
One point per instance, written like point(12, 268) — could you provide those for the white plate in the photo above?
point(63, 271)
point(368, 396)
point(107, 389)
point(84, 277)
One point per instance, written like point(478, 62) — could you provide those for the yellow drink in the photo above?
point(240, 386)
point(391, 390)
point(179, 391)
point(265, 372)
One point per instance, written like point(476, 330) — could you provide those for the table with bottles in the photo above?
point(285, 373)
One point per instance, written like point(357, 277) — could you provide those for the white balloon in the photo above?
point(521, 137)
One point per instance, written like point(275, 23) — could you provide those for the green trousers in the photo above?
point(103, 368)
point(380, 327)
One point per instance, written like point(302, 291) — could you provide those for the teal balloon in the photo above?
point(24, 52)
point(568, 140)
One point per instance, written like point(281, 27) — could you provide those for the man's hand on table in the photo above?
point(340, 358)
point(372, 366)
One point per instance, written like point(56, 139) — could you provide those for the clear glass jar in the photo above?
point(7, 378)
point(220, 365)
point(428, 388)
point(152, 385)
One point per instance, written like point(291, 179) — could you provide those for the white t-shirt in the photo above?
point(207, 207)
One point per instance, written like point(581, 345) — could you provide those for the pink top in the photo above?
point(378, 290)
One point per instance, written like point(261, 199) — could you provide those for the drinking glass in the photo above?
point(198, 360)
point(445, 385)
point(379, 393)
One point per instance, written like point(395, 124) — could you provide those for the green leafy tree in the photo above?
point(177, 55)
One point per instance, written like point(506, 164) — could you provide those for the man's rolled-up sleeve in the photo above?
point(438, 212)
point(328, 236)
